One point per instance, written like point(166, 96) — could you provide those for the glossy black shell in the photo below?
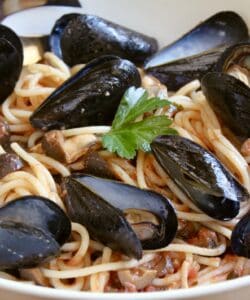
point(200, 175)
point(240, 239)
point(40, 213)
point(87, 37)
point(99, 203)
point(90, 97)
point(22, 246)
point(229, 98)
point(11, 61)
point(56, 33)
point(32, 228)
point(223, 28)
point(178, 73)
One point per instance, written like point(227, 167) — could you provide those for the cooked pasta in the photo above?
point(87, 265)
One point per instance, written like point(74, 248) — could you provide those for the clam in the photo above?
point(227, 95)
point(198, 51)
point(199, 174)
point(32, 228)
point(90, 97)
point(86, 37)
point(240, 240)
point(11, 60)
point(121, 216)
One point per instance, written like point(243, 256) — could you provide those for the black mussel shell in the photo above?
point(103, 221)
point(229, 98)
point(87, 37)
point(10, 68)
point(90, 97)
point(56, 33)
point(23, 246)
point(178, 73)
point(240, 240)
point(200, 175)
point(223, 28)
point(40, 213)
point(100, 203)
point(238, 54)
point(9, 35)
point(32, 229)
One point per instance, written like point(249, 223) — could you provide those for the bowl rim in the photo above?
point(51, 293)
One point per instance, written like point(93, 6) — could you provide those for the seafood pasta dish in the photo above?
point(125, 168)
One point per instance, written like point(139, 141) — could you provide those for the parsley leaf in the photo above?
point(126, 140)
point(135, 103)
point(127, 136)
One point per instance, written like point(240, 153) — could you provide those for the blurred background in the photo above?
point(9, 6)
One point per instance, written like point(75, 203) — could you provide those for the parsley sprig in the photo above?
point(126, 135)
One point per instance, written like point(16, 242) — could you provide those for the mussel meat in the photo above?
point(223, 28)
point(11, 61)
point(87, 37)
point(90, 97)
point(240, 240)
point(9, 162)
point(104, 206)
point(32, 229)
point(200, 175)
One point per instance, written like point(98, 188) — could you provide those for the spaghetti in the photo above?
point(88, 265)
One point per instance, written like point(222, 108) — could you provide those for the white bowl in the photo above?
point(166, 20)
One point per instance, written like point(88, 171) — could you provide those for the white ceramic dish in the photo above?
point(166, 20)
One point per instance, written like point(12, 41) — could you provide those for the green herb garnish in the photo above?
point(126, 136)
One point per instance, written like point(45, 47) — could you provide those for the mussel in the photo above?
point(229, 98)
point(90, 97)
point(85, 37)
point(227, 95)
point(56, 33)
point(32, 228)
point(240, 239)
point(200, 175)
point(180, 72)
point(104, 206)
point(11, 61)
point(197, 52)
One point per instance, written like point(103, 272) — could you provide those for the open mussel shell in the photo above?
point(87, 37)
point(56, 33)
point(32, 228)
point(11, 61)
point(200, 175)
point(229, 98)
point(90, 97)
point(223, 28)
point(240, 239)
point(101, 204)
point(23, 246)
point(235, 55)
point(178, 73)
point(40, 213)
